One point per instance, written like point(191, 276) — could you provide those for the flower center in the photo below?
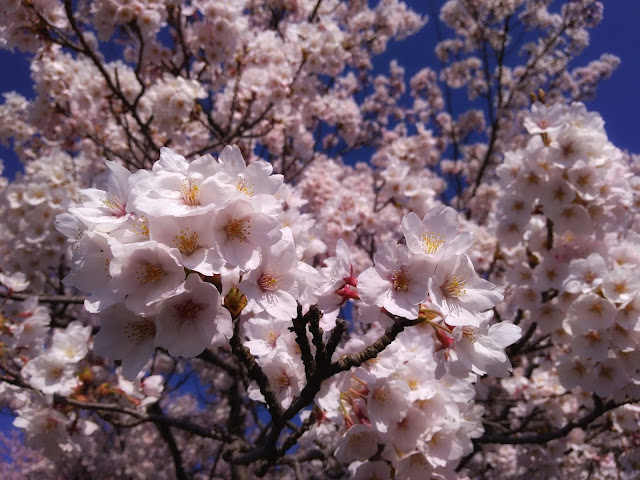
point(50, 424)
point(620, 288)
point(455, 287)
point(269, 281)
point(381, 395)
point(190, 193)
point(401, 280)
point(137, 332)
point(469, 334)
point(596, 308)
point(283, 380)
point(245, 187)
point(55, 372)
point(567, 149)
point(187, 241)
point(141, 227)
point(187, 310)
point(237, 229)
point(431, 242)
point(149, 272)
point(114, 206)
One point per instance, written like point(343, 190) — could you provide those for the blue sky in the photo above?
point(617, 100)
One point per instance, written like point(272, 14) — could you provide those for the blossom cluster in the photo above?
point(53, 362)
point(28, 207)
point(162, 253)
point(573, 246)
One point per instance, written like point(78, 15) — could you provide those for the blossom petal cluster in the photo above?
point(572, 247)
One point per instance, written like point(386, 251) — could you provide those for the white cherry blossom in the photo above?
point(398, 281)
point(241, 231)
point(458, 291)
point(188, 322)
point(145, 273)
point(273, 286)
point(436, 236)
point(127, 337)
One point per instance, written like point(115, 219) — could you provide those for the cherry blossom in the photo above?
point(190, 321)
point(398, 281)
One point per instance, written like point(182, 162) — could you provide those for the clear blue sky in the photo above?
point(618, 99)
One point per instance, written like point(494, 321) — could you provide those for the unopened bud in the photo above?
point(541, 95)
point(445, 340)
point(86, 376)
point(235, 301)
point(427, 314)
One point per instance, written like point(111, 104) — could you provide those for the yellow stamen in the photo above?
point(283, 380)
point(431, 242)
point(114, 206)
point(187, 310)
point(187, 241)
point(190, 193)
point(269, 281)
point(237, 229)
point(245, 187)
point(455, 287)
point(149, 272)
point(401, 280)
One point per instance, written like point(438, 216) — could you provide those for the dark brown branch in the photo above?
point(314, 13)
point(313, 317)
point(516, 347)
point(257, 374)
point(210, 357)
point(334, 338)
point(549, 244)
point(167, 436)
point(181, 424)
point(372, 351)
point(267, 449)
point(300, 329)
point(599, 409)
point(44, 298)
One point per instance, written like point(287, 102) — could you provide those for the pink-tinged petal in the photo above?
point(372, 288)
point(203, 167)
point(505, 334)
point(223, 328)
point(411, 226)
point(460, 317)
point(217, 190)
point(242, 254)
point(480, 295)
point(186, 322)
point(385, 256)
point(170, 161)
point(265, 230)
point(205, 261)
point(281, 304)
point(359, 443)
point(232, 157)
point(127, 337)
point(401, 309)
point(118, 180)
point(460, 244)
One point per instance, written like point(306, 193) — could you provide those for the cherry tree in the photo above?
point(199, 281)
